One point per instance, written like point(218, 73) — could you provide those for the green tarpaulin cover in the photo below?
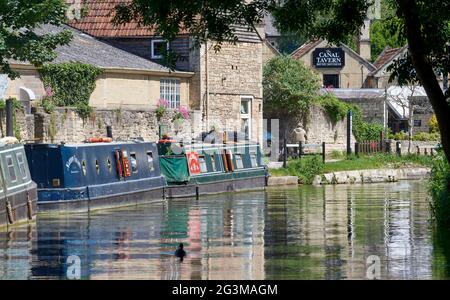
point(175, 169)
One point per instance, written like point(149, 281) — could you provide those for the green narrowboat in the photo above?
point(18, 194)
point(199, 169)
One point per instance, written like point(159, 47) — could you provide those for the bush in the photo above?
point(399, 136)
point(439, 188)
point(433, 124)
point(306, 168)
point(425, 136)
point(335, 109)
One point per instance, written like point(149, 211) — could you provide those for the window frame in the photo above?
point(170, 90)
point(21, 164)
point(152, 48)
point(9, 166)
point(247, 116)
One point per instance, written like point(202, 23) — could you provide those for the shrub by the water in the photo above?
point(439, 187)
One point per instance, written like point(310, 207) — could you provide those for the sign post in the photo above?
point(349, 132)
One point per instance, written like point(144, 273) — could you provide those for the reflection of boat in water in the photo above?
point(17, 190)
point(200, 169)
point(81, 177)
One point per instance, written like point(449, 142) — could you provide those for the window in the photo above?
point(150, 161)
point(213, 163)
point(108, 164)
point(202, 162)
point(246, 113)
point(331, 80)
point(169, 89)
point(133, 162)
point(11, 171)
point(97, 167)
point(239, 162)
point(83, 167)
point(159, 47)
point(22, 168)
point(254, 159)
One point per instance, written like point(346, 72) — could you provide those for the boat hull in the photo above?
point(20, 212)
point(221, 186)
point(101, 197)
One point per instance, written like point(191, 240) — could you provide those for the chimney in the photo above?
point(364, 41)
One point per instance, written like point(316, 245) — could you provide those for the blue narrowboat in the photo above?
point(83, 177)
point(197, 169)
point(18, 194)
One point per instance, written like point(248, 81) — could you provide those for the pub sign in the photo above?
point(328, 58)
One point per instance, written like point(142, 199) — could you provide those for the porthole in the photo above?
point(83, 167)
point(108, 164)
point(97, 167)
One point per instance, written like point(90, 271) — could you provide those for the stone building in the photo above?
point(339, 66)
point(128, 81)
point(226, 85)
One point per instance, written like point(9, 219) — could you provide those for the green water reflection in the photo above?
point(282, 233)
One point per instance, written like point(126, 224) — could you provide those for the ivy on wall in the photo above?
point(69, 84)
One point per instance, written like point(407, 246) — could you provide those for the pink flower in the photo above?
point(163, 103)
point(49, 91)
point(184, 112)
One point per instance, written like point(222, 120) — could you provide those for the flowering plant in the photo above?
point(48, 102)
point(161, 108)
point(181, 113)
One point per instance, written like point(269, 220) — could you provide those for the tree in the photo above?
point(18, 39)
point(424, 23)
point(289, 87)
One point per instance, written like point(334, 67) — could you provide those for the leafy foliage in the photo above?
point(71, 83)
point(18, 40)
point(433, 124)
point(336, 109)
point(289, 86)
point(439, 189)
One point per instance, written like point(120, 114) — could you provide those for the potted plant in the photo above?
point(181, 115)
point(161, 108)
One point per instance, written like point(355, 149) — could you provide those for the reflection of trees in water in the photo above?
point(441, 253)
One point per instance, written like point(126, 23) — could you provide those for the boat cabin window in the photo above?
point(21, 162)
point(97, 167)
point(213, 163)
point(239, 162)
point(83, 167)
point(254, 159)
point(150, 161)
point(202, 161)
point(11, 171)
point(108, 163)
point(133, 162)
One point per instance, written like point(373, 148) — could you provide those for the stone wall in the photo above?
point(319, 128)
point(64, 124)
point(372, 109)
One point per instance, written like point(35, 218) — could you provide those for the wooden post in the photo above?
point(382, 146)
point(284, 151)
point(300, 149)
point(357, 149)
point(323, 152)
point(418, 150)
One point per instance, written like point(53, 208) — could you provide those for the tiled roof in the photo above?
point(87, 49)
point(97, 21)
point(387, 55)
point(305, 48)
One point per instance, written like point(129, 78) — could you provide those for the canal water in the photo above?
point(307, 232)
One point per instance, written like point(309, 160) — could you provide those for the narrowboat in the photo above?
point(18, 194)
point(87, 176)
point(197, 169)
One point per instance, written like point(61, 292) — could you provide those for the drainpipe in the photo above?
point(207, 86)
point(9, 117)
